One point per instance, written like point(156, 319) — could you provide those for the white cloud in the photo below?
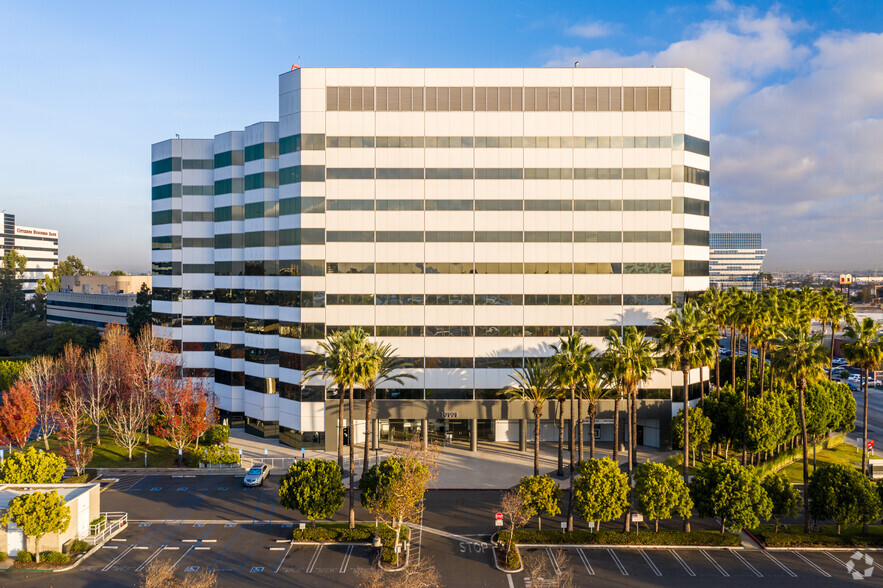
point(589, 29)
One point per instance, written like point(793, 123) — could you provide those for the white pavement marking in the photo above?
point(115, 560)
point(209, 541)
point(123, 540)
point(110, 547)
point(650, 563)
point(747, 564)
point(276, 548)
point(780, 564)
point(509, 577)
point(150, 559)
point(555, 567)
point(279, 565)
point(314, 559)
point(202, 548)
point(810, 562)
point(617, 562)
point(683, 563)
point(585, 560)
point(346, 559)
point(189, 540)
point(454, 536)
point(186, 553)
point(141, 547)
point(172, 547)
point(714, 563)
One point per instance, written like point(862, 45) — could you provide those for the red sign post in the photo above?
point(870, 443)
point(499, 519)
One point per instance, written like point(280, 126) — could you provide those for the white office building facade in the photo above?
point(469, 217)
point(40, 246)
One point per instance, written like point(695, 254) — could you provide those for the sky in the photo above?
point(86, 87)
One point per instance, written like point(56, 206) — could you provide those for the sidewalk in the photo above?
point(494, 466)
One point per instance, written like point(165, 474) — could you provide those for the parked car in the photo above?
point(256, 475)
point(839, 361)
point(855, 378)
point(854, 386)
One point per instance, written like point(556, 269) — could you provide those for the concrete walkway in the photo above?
point(494, 466)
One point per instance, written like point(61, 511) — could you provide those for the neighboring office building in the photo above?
point(40, 246)
point(736, 260)
point(466, 216)
point(84, 501)
point(93, 300)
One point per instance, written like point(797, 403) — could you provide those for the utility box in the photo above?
point(875, 469)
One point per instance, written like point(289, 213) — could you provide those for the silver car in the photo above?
point(256, 475)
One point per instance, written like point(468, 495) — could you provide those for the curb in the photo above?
point(402, 567)
point(838, 548)
point(629, 546)
point(754, 538)
point(154, 471)
point(520, 560)
point(86, 555)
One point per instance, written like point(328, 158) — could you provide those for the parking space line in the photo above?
point(747, 564)
point(617, 562)
point(714, 563)
point(811, 563)
point(186, 553)
point(115, 560)
point(585, 561)
point(152, 557)
point(650, 563)
point(279, 565)
point(346, 559)
point(555, 567)
point(681, 561)
point(780, 564)
point(314, 559)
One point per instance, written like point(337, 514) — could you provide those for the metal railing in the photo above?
point(113, 522)
point(281, 464)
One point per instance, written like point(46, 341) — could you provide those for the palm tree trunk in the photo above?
point(579, 427)
point(572, 467)
point(686, 372)
point(831, 359)
point(702, 387)
point(616, 428)
point(864, 378)
point(340, 408)
point(592, 427)
point(747, 375)
point(352, 439)
point(369, 430)
point(538, 414)
point(560, 408)
point(762, 357)
point(717, 372)
point(801, 387)
point(747, 364)
point(634, 430)
point(734, 347)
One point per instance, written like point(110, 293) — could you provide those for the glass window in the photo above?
point(399, 268)
point(399, 331)
point(548, 299)
point(597, 237)
point(597, 205)
point(350, 205)
point(350, 236)
point(598, 299)
point(341, 267)
point(449, 205)
point(399, 236)
point(499, 205)
point(349, 299)
point(499, 236)
point(399, 299)
point(498, 299)
point(546, 331)
point(499, 331)
point(449, 236)
point(449, 331)
point(449, 299)
point(399, 205)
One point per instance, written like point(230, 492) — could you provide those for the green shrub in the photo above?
point(3, 556)
point(586, 537)
point(54, 557)
point(24, 557)
point(513, 560)
point(217, 435)
point(214, 455)
point(790, 539)
point(79, 546)
point(339, 532)
point(98, 521)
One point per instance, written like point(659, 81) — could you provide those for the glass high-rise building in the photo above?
point(468, 217)
point(736, 260)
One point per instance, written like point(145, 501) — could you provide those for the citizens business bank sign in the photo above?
point(32, 232)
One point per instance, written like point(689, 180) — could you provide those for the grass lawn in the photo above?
point(842, 454)
point(793, 536)
point(111, 455)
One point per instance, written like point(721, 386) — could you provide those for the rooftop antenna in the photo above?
point(576, 63)
point(177, 136)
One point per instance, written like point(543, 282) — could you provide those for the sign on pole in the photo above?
point(591, 524)
point(498, 519)
point(265, 451)
point(870, 443)
point(180, 452)
point(637, 518)
point(563, 525)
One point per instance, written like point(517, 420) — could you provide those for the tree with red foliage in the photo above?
point(72, 407)
point(18, 415)
point(188, 410)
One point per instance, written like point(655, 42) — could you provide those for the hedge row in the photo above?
point(49, 557)
point(340, 532)
point(586, 537)
point(819, 540)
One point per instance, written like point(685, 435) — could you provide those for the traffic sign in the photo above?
point(637, 518)
point(870, 443)
point(499, 516)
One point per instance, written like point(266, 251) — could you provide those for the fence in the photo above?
point(111, 522)
point(281, 464)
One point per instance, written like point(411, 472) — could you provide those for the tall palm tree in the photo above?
point(572, 358)
point(384, 367)
point(717, 306)
point(734, 301)
point(630, 362)
point(800, 356)
point(534, 383)
point(684, 338)
point(749, 312)
point(592, 388)
point(864, 351)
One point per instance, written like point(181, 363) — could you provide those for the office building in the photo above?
point(468, 217)
point(40, 246)
point(736, 260)
point(94, 301)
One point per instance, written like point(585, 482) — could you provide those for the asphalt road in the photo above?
point(213, 522)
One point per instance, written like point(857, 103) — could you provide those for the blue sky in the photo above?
point(86, 88)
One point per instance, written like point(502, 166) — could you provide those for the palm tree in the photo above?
point(346, 360)
point(384, 367)
point(630, 362)
point(839, 313)
point(734, 300)
point(533, 383)
point(801, 356)
point(593, 389)
point(864, 351)
point(717, 306)
point(750, 324)
point(572, 358)
point(684, 338)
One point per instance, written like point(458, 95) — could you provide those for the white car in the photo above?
point(256, 475)
point(857, 378)
point(839, 361)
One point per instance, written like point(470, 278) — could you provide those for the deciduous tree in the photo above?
point(18, 415)
point(731, 492)
point(32, 467)
point(313, 487)
point(700, 430)
point(72, 418)
point(37, 514)
point(97, 393)
point(602, 491)
point(841, 493)
point(661, 492)
point(784, 497)
point(187, 411)
point(42, 375)
point(541, 496)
